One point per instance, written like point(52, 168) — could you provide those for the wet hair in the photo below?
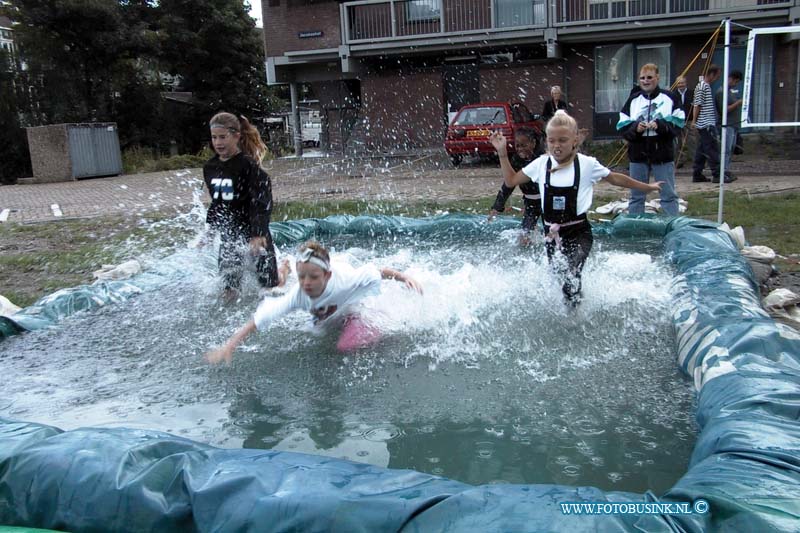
point(250, 139)
point(563, 120)
point(737, 75)
point(317, 249)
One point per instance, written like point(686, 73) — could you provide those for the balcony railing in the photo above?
point(583, 11)
point(400, 19)
point(383, 20)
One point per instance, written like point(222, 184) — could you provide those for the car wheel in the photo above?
point(456, 159)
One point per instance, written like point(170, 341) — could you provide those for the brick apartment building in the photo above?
point(388, 71)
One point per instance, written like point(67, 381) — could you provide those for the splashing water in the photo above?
point(488, 377)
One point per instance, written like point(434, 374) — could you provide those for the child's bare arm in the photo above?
point(621, 180)
point(225, 352)
point(408, 281)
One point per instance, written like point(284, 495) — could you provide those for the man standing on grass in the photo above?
point(705, 120)
point(650, 121)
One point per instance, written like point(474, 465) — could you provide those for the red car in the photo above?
point(469, 132)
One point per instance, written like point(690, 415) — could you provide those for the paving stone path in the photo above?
point(321, 179)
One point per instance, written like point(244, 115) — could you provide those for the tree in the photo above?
point(101, 60)
point(13, 141)
point(72, 47)
point(214, 46)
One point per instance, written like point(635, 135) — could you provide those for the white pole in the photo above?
point(723, 152)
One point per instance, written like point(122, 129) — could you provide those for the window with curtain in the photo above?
point(763, 72)
point(658, 54)
point(613, 77)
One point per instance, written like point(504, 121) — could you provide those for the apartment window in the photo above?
point(423, 10)
point(658, 54)
point(510, 13)
point(613, 76)
point(763, 78)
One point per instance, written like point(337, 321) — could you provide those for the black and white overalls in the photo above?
point(566, 230)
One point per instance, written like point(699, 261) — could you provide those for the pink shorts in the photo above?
point(357, 334)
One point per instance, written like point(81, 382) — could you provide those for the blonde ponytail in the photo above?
point(251, 141)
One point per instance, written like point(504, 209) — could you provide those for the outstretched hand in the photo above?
point(656, 187)
point(219, 355)
point(411, 283)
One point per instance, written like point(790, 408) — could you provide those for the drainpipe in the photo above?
point(298, 132)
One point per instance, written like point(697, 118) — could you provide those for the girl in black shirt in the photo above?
point(241, 201)
point(527, 148)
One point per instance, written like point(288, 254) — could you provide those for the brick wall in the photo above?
point(579, 84)
point(529, 84)
point(404, 109)
point(283, 23)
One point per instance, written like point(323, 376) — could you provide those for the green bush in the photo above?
point(178, 162)
point(134, 158)
point(139, 159)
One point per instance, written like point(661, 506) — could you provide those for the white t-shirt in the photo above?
point(591, 172)
point(346, 287)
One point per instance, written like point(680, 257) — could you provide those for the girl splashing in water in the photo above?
point(241, 201)
point(566, 180)
point(329, 294)
point(527, 149)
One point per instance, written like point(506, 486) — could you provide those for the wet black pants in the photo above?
point(576, 243)
point(233, 250)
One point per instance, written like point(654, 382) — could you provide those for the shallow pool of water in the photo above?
point(486, 378)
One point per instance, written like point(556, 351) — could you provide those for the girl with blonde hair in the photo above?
point(566, 179)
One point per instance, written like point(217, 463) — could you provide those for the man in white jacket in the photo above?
point(650, 121)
